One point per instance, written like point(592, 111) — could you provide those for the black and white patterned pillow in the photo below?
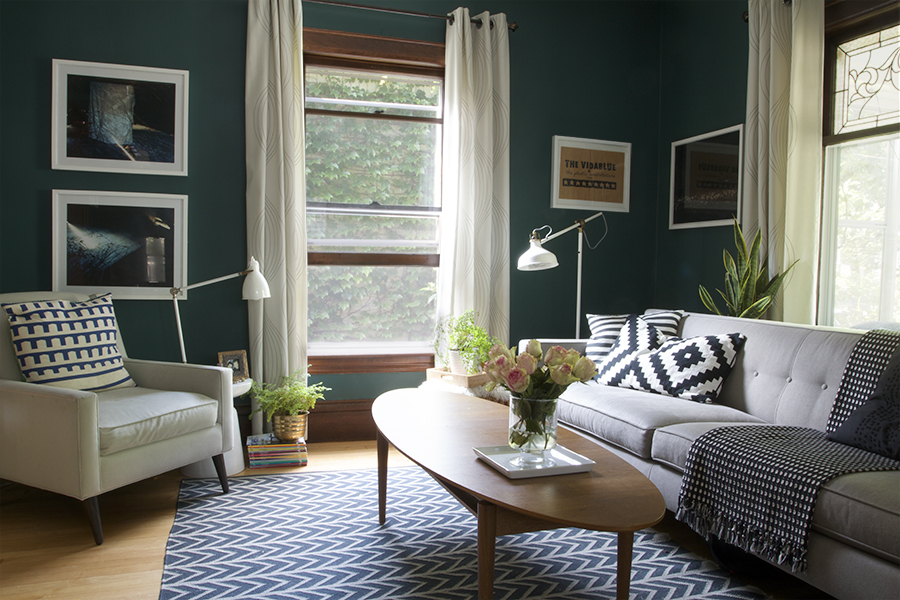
point(693, 368)
point(605, 329)
point(637, 337)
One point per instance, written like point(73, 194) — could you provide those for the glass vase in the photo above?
point(532, 431)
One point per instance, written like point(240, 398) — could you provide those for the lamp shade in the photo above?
point(255, 285)
point(536, 258)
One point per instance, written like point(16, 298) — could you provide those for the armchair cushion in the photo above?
point(133, 417)
point(68, 344)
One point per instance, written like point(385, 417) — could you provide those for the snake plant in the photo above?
point(748, 290)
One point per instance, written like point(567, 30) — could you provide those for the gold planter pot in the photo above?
point(290, 428)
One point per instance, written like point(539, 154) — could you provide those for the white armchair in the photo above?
point(82, 444)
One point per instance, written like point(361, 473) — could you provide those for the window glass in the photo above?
point(350, 305)
point(373, 156)
point(862, 217)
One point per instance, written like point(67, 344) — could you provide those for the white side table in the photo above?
point(234, 458)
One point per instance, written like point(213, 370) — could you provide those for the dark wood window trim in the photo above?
point(371, 259)
point(358, 51)
point(324, 45)
point(385, 363)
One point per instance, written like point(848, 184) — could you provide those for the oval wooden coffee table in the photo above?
point(437, 430)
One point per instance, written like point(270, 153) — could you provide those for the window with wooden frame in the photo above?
point(860, 258)
point(374, 116)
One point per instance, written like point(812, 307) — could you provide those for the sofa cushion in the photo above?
point(693, 368)
point(863, 511)
point(138, 416)
point(860, 509)
point(671, 443)
point(68, 344)
point(628, 418)
point(605, 329)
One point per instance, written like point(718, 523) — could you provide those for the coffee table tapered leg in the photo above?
point(623, 570)
point(382, 446)
point(487, 535)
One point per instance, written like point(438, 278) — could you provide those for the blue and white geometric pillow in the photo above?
point(68, 344)
point(606, 328)
point(693, 368)
point(636, 338)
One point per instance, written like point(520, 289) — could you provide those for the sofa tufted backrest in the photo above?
point(786, 374)
point(9, 364)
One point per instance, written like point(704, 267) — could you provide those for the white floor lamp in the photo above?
point(255, 288)
point(537, 258)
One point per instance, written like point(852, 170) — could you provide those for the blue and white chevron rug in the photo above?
point(316, 536)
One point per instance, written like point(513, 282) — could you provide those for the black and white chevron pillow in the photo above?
point(605, 330)
point(693, 368)
point(637, 337)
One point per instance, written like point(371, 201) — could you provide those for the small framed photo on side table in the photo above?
point(236, 360)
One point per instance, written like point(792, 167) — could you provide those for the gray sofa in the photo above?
point(784, 375)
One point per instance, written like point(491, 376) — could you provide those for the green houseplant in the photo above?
point(461, 335)
point(288, 404)
point(748, 289)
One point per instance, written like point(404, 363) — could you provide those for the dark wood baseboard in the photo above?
point(331, 421)
point(341, 421)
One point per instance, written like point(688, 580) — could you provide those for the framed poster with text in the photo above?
point(591, 174)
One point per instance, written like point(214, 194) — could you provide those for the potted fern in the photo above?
point(748, 289)
point(461, 345)
point(288, 404)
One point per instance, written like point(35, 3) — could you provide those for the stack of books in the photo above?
point(268, 451)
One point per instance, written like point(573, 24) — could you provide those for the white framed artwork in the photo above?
point(119, 118)
point(591, 175)
point(133, 245)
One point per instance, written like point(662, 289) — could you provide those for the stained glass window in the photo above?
point(867, 81)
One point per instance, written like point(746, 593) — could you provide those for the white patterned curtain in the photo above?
point(276, 187)
point(783, 147)
point(475, 221)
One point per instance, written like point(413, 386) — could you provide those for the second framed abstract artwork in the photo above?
point(131, 244)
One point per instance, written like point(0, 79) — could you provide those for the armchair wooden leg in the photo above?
point(219, 464)
point(92, 507)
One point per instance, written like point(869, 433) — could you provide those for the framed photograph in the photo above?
point(236, 360)
point(133, 245)
point(706, 175)
point(591, 174)
point(118, 118)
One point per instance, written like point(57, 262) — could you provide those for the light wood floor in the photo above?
point(47, 551)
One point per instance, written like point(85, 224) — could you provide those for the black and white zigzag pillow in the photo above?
point(693, 368)
point(637, 337)
point(605, 329)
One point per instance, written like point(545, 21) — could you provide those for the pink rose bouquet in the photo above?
point(535, 386)
point(525, 376)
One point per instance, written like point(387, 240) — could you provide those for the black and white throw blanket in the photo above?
point(755, 486)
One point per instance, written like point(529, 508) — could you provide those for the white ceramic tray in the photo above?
point(566, 462)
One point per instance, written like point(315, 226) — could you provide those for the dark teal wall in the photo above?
point(639, 71)
point(703, 88)
point(205, 37)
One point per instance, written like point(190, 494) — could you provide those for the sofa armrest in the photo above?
point(49, 438)
point(214, 382)
point(577, 344)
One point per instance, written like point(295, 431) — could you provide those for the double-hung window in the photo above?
point(860, 261)
point(373, 201)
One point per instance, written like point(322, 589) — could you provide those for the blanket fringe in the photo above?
point(708, 523)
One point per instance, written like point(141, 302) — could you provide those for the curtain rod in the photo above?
point(512, 26)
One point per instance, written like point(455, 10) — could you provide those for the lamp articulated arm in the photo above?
point(255, 288)
point(536, 258)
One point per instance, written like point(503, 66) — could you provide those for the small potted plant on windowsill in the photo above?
point(461, 345)
point(288, 404)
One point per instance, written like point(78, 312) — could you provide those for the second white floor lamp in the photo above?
point(538, 258)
